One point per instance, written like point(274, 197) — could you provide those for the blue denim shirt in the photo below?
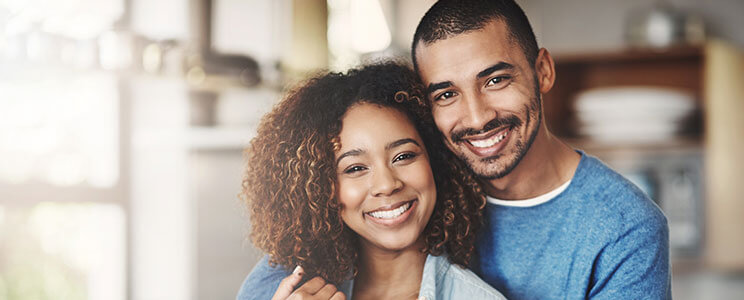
point(441, 280)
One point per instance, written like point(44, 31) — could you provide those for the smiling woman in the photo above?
point(349, 179)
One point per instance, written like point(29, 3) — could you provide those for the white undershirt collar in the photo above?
point(532, 201)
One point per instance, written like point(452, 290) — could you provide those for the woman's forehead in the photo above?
point(372, 125)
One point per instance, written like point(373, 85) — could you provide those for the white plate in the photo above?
point(634, 99)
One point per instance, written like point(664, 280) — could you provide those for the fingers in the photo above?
point(312, 286)
point(317, 288)
point(288, 284)
point(338, 296)
point(326, 292)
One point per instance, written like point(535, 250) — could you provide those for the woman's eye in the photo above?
point(354, 169)
point(404, 156)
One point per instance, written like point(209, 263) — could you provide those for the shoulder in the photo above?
point(612, 199)
point(456, 282)
point(262, 282)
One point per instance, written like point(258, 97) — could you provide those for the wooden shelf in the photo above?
point(632, 55)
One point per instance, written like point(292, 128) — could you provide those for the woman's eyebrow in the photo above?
point(401, 142)
point(352, 152)
point(397, 143)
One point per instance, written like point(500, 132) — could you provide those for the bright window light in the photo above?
point(70, 251)
point(59, 127)
point(355, 27)
point(76, 19)
point(371, 33)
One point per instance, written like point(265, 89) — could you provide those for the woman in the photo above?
point(348, 179)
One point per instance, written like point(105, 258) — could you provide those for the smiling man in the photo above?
point(562, 224)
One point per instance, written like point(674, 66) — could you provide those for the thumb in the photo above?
point(288, 284)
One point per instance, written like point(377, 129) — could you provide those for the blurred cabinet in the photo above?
point(724, 158)
point(707, 162)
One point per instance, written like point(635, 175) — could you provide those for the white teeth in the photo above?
point(390, 214)
point(489, 142)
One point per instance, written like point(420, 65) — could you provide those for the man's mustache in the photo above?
point(510, 121)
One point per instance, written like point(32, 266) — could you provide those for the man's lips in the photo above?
point(489, 143)
point(493, 126)
point(487, 139)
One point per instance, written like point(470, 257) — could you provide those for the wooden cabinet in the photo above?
point(714, 73)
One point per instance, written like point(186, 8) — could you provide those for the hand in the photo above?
point(314, 289)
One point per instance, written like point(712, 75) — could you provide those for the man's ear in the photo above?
point(545, 70)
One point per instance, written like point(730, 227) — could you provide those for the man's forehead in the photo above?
point(466, 52)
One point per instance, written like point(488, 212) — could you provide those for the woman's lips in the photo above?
point(392, 215)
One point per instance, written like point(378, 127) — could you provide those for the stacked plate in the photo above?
point(633, 114)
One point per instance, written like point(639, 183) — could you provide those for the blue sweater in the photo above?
point(601, 238)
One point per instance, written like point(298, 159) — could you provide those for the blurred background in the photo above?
point(122, 124)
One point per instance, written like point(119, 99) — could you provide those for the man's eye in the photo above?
point(404, 156)
point(498, 80)
point(354, 169)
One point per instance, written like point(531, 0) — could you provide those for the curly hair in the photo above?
point(290, 181)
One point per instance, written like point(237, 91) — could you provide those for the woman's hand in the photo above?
point(314, 289)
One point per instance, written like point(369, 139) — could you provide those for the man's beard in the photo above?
point(534, 108)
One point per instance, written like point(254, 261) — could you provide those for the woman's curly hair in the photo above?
point(290, 181)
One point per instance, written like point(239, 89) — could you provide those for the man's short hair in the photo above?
point(447, 18)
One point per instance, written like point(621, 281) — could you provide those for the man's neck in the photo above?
point(389, 275)
point(547, 164)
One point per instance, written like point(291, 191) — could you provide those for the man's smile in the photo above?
point(489, 140)
point(488, 144)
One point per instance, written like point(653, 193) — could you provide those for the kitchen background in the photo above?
point(122, 124)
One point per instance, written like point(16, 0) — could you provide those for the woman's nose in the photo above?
point(385, 182)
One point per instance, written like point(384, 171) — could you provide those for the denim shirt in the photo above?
point(444, 281)
point(441, 280)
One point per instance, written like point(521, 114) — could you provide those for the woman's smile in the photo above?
point(392, 215)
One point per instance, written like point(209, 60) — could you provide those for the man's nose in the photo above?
point(478, 112)
point(385, 182)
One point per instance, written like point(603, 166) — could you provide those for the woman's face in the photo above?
point(385, 183)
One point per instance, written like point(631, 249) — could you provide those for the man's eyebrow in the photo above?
point(436, 86)
point(353, 152)
point(497, 67)
point(401, 142)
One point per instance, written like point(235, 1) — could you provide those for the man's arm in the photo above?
point(262, 282)
point(636, 264)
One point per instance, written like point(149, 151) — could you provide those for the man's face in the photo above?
point(484, 95)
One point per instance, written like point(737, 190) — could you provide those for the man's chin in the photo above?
point(488, 168)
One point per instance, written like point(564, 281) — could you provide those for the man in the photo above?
point(561, 225)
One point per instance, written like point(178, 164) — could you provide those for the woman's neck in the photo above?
point(385, 274)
